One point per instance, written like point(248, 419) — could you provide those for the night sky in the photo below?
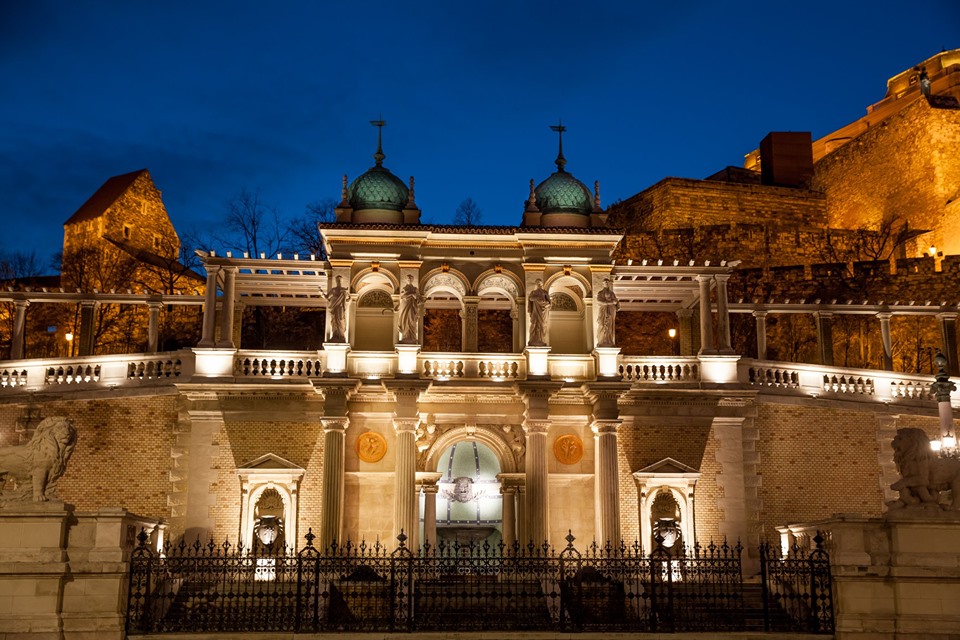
point(276, 96)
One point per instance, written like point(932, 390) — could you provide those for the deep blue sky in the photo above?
point(277, 96)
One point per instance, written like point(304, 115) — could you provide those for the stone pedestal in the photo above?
point(896, 577)
point(538, 362)
point(63, 575)
point(407, 359)
point(607, 362)
point(336, 358)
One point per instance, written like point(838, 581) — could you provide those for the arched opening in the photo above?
point(375, 322)
point(567, 334)
point(469, 505)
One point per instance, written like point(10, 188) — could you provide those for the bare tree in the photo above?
point(252, 225)
point(468, 214)
point(304, 231)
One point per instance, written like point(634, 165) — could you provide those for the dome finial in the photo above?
point(379, 124)
point(596, 196)
point(532, 200)
point(559, 128)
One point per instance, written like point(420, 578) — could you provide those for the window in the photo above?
point(126, 232)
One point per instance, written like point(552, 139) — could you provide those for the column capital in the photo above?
point(822, 314)
point(760, 313)
point(884, 315)
point(536, 426)
point(605, 427)
point(21, 303)
point(89, 304)
point(703, 278)
point(339, 423)
point(684, 313)
point(947, 315)
point(402, 424)
point(721, 277)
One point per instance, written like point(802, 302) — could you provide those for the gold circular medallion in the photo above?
point(568, 449)
point(371, 447)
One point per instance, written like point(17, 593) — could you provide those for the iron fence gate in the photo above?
point(225, 588)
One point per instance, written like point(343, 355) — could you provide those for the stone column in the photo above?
point(948, 333)
point(537, 482)
point(824, 320)
point(684, 334)
point(226, 308)
point(331, 516)
point(469, 325)
point(19, 323)
point(405, 475)
point(406, 418)
point(884, 317)
point(519, 316)
point(207, 338)
point(761, 319)
point(430, 492)
point(88, 319)
point(522, 536)
point(153, 325)
point(706, 316)
point(607, 487)
point(723, 313)
point(509, 514)
point(536, 423)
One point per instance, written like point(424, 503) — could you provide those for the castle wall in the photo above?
point(904, 168)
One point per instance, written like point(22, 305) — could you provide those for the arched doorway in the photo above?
point(468, 500)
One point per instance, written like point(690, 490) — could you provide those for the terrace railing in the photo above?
point(458, 587)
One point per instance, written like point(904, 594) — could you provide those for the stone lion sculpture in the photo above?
point(923, 474)
point(37, 465)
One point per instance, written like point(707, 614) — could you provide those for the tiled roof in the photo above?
point(104, 197)
point(453, 228)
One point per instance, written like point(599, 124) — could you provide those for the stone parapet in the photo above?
point(895, 577)
point(64, 575)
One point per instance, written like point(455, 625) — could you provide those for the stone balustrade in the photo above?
point(836, 382)
point(225, 365)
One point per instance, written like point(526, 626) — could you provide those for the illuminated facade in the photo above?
point(554, 431)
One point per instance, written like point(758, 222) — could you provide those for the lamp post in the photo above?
point(69, 338)
point(946, 445)
point(673, 341)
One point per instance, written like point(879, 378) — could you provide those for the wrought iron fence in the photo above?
point(797, 586)
point(210, 588)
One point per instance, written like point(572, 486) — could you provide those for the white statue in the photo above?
point(608, 305)
point(538, 307)
point(36, 466)
point(336, 306)
point(411, 303)
point(923, 474)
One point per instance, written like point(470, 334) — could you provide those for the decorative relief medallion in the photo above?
point(568, 449)
point(371, 447)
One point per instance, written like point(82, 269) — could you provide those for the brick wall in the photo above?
point(242, 441)
point(122, 456)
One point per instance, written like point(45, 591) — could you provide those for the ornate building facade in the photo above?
point(557, 433)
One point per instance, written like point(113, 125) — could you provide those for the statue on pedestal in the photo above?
point(608, 305)
point(538, 306)
point(336, 307)
point(923, 474)
point(411, 304)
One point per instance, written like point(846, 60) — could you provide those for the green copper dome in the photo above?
point(561, 192)
point(378, 189)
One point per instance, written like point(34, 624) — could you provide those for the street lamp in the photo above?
point(69, 338)
point(946, 445)
point(673, 343)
